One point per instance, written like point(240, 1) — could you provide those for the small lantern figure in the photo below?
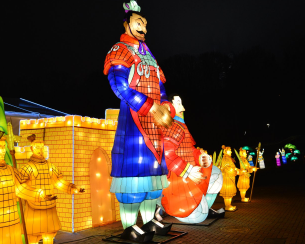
point(284, 159)
point(243, 183)
point(12, 186)
point(229, 172)
point(261, 159)
point(277, 157)
point(40, 173)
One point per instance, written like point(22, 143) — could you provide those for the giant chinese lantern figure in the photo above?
point(243, 183)
point(12, 186)
point(40, 173)
point(190, 172)
point(229, 172)
point(138, 165)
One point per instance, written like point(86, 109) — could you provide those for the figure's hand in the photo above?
point(80, 190)
point(205, 160)
point(50, 197)
point(254, 169)
point(162, 117)
point(196, 176)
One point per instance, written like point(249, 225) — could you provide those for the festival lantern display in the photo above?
point(229, 172)
point(41, 174)
point(283, 156)
point(261, 159)
point(185, 197)
point(243, 183)
point(139, 172)
point(278, 160)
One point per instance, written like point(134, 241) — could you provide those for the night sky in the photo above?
point(238, 65)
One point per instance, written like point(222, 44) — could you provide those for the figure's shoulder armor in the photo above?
point(119, 54)
point(175, 133)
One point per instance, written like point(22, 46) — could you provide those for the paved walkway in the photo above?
point(275, 215)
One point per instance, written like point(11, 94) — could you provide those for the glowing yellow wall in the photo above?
point(70, 144)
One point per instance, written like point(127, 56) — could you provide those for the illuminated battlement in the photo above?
point(69, 121)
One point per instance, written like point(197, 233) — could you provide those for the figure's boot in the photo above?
point(243, 195)
point(48, 238)
point(228, 206)
point(34, 239)
point(134, 233)
point(129, 214)
point(216, 214)
point(147, 209)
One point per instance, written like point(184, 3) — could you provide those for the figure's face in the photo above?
point(243, 153)
point(177, 103)
point(137, 27)
point(37, 148)
point(229, 152)
point(2, 150)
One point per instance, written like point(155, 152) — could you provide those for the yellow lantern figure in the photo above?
point(243, 183)
point(229, 172)
point(41, 218)
point(12, 186)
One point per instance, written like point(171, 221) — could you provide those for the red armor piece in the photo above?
point(182, 196)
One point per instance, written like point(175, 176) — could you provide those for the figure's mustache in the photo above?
point(141, 32)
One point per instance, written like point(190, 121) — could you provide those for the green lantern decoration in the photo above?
point(247, 148)
point(297, 151)
point(252, 153)
point(290, 146)
point(3, 131)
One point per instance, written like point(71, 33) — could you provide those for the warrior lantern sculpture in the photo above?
point(243, 183)
point(138, 165)
point(41, 174)
point(229, 172)
point(12, 185)
point(191, 172)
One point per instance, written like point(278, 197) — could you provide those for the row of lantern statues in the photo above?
point(190, 193)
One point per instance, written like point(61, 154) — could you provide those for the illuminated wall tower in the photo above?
point(81, 148)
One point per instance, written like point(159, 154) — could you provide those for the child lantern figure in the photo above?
point(40, 173)
point(243, 183)
point(12, 186)
point(139, 172)
point(229, 172)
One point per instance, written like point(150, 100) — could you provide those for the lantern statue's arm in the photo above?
point(137, 101)
point(175, 163)
point(63, 185)
point(24, 191)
